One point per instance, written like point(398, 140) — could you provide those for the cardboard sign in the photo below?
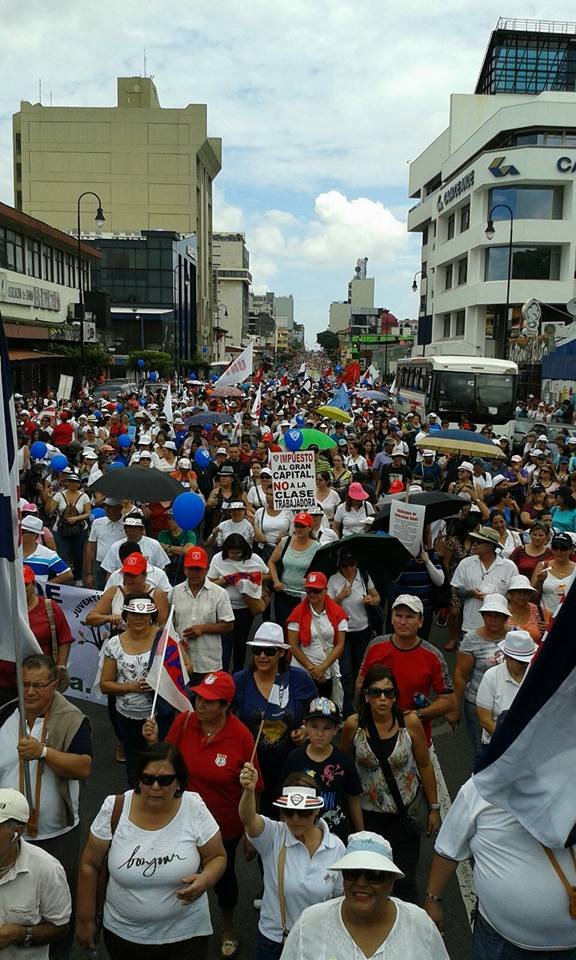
point(293, 480)
point(407, 524)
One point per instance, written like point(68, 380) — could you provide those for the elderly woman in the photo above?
point(500, 684)
point(316, 634)
point(289, 564)
point(203, 738)
point(524, 611)
point(367, 919)
point(478, 651)
point(297, 852)
point(164, 852)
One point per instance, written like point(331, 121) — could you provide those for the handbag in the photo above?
point(374, 612)
point(104, 873)
point(414, 817)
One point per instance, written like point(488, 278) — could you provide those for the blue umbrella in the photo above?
point(372, 395)
point(462, 441)
point(199, 419)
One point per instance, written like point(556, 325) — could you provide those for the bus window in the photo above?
point(496, 394)
point(455, 391)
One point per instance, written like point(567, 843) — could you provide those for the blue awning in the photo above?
point(561, 363)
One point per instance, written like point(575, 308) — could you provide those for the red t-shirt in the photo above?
point(419, 670)
point(40, 626)
point(214, 765)
point(63, 434)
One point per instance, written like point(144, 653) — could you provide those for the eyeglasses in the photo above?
point(377, 692)
point(162, 779)
point(36, 685)
point(263, 651)
point(313, 589)
point(298, 813)
point(371, 876)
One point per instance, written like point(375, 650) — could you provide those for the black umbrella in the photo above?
point(138, 483)
point(438, 506)
point(382, 556)
point(211, 416)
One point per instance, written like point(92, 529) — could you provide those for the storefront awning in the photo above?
point(16, 355)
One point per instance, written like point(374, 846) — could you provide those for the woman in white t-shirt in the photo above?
point(354, 515)
point(326, 496)
point(271, 525)
point(241, 572)
point(356, 461)
point(164, 853)
point(316, 634)
point(72, 508)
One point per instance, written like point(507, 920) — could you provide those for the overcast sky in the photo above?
point(321, 105)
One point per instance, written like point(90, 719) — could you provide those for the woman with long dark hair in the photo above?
point(241, 572)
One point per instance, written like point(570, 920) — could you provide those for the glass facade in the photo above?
point(40, 260)
point(528, 263)
point(527, 203)
point(528, 61)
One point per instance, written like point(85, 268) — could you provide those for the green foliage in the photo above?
point(197, 362)
point(96, 357)
point(153, 360)
point(330, 343)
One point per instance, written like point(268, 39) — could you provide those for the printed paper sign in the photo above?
point(293, 480)
point(407, 524)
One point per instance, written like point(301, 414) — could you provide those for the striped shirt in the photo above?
point(46, 563)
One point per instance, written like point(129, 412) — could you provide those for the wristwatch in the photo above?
point(28, 940)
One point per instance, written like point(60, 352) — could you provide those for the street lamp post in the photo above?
point(490, 232)
point(99, 219)
point(415, 290)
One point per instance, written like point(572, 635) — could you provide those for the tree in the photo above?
point(330, 343)
point(153, 360)
point(96, 358)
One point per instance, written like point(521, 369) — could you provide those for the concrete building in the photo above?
point(39, 296)
point(152, 167)
point(232, 279)
point(507, 156)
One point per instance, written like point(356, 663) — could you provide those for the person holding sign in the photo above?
point(355, 514)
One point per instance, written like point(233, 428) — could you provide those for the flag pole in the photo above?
point(19, 684)
point(167, 628)
point(261, 727)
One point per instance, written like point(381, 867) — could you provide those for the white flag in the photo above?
point(239, 370)
point(255, 411)
point(167, 408)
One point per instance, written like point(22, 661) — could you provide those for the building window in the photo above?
point(12, 250)
point(527, 203)
point(48, 262)
point(462, 271)
point(70, 270)
point(464, 218)
point(425, 236)
point(446, 326)
point(34, 258)
point(60, 275)
point(423, 303)
point(460, 323)
point(424, 271)
point(528, 263)
point(450, 226)
point(448, 277)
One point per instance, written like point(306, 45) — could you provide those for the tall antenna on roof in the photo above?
point(40, 90)
point(145, 73)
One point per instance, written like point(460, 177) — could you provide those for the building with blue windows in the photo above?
point(506, 162)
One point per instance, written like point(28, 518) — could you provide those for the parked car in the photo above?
point(118, 387)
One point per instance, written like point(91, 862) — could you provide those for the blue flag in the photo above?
point(529, 767)
point(340, 400)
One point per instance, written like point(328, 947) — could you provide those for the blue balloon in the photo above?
point(153, 376)
point(124, 441)
point(116, 465)
point(193, 375)
point(188, 510)
point(59, 462)
point(97, 512)
point(98, 414)
point(293, 439)
point(202, 457)
point(38, 450)
point(337, 368)
point(213, 377)
point(300, 420)
point(142, 401)
point(119, 408)
point(140, 363)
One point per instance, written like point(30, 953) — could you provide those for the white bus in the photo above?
point(480, 389)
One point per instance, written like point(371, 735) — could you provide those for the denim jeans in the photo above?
point(267, 949)
point(487, 944)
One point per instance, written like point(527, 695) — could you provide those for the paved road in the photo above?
point(454, 758)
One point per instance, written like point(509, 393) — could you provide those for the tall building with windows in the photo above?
point(508, 156)
point(232, 281)
point(151, 166)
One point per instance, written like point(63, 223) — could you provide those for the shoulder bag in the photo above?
point(63, 675)
point(280, 564)
point(281, 897)
point(104, 873)
point(414, 817)
point(374, 612)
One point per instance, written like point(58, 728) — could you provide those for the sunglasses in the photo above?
point(298, 813)
point(371, 876)
point(313, 589)
point(263, 651)
point(162, 779)
point(300, 526)
point(377, 692)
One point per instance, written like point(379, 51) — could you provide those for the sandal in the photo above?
point(228, 948)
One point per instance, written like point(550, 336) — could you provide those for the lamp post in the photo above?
point(415, 290)
point(99, 219)
point(490, 232)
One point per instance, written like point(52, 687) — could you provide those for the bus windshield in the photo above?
point(480, 396)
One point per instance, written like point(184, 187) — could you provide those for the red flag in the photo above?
point(258, 376)
point(352, 373)
point(284, 381)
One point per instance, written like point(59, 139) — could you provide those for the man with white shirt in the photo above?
point(202, 613)
point(134, 532)
point(144, 445)
point(482, 573)
point(103, 533)
point(154, 576)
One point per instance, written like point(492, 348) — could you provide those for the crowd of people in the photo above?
point(314, 694)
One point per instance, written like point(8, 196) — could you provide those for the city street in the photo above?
point(453, 754)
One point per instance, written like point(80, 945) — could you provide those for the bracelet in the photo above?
point(434, 806)
point(430, 896)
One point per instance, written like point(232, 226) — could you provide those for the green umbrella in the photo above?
point(322, 440)
point(381, 555)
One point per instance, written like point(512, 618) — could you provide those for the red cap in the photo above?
point(197, 557)
point(305, 519)
point(317, 580)
point(136, 563)
point(216, 686)
point(29, 575)
point(267, 437)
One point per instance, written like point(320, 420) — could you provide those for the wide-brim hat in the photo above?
point(495, 603)
point(367, 851)
point(299, 798)
point(520, 582)
point(269, 635)
point(487, 535)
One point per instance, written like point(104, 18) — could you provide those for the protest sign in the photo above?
point(293, 480)
point(407, 524)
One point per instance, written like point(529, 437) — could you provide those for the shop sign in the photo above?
point(455, 191)
point(27, 295)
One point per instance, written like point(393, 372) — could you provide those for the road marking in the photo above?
point(464, 870)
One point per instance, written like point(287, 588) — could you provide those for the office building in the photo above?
point(232, 279)
point(508, 156)
point(40, 270)
point(152, 168)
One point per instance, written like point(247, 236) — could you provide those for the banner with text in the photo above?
point(293, 480)
point(76, 603)
point(407, 524)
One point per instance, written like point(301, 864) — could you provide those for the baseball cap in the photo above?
point(516, 459)
point(134, 520)
point(267, 437)
point(135, 564)
point(237, 505)
point(367, 851)
point(265, 472)
point(324, 709)
point(145, 455)
point(13, 806)
point(316, 579)
point(410, 601)
point(32, 524)
point(562, 541)
point(269, 635)
point(144, 440)
point(542, 437)
point(29, 575)
point(216, 686)
point(304, 519)
point(398, 452)
point(196, 557)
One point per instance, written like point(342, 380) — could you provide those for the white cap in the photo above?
point(398, 452)
point(237, 505)
point(516, 459)
point(499, 478)
point(410, 601)
point(433, 415)
point(495, 603)
point(542, 437)
point(13, 806)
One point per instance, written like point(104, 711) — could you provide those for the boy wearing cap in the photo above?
point(104, 531)
point(333, 771)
